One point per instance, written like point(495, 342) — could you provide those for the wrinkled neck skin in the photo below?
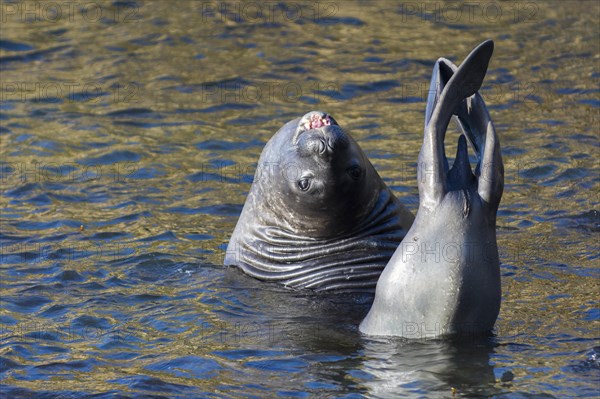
point(444, 278)
point(336, 235)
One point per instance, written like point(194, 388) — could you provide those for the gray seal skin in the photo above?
point(444, 278)
point(317, 216)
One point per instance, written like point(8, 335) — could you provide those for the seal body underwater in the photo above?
point(318, 216)
point(444, 278)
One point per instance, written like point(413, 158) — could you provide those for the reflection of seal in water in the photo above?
point(444, 277)
point(317, 215)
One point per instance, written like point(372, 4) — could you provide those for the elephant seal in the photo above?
point(444, 278)
point(317, 216)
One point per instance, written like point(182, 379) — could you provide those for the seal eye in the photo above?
point(304, 184)
point(355, 172)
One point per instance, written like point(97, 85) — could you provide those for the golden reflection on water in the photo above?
point(165, 61)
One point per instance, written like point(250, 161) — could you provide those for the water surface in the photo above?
point(130, 133)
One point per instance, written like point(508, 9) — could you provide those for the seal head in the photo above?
point(317, 215)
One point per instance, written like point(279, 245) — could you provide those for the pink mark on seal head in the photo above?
point(317, 121)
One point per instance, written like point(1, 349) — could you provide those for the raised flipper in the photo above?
point(476, 125)
point(453, 91)
point(444, 278)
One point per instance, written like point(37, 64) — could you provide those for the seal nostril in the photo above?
point(314, 120)
point(322, 146)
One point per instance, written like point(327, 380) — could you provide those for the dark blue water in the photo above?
point(130, 133)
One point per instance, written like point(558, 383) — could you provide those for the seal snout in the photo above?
point(312, 121)
point(315, 120)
